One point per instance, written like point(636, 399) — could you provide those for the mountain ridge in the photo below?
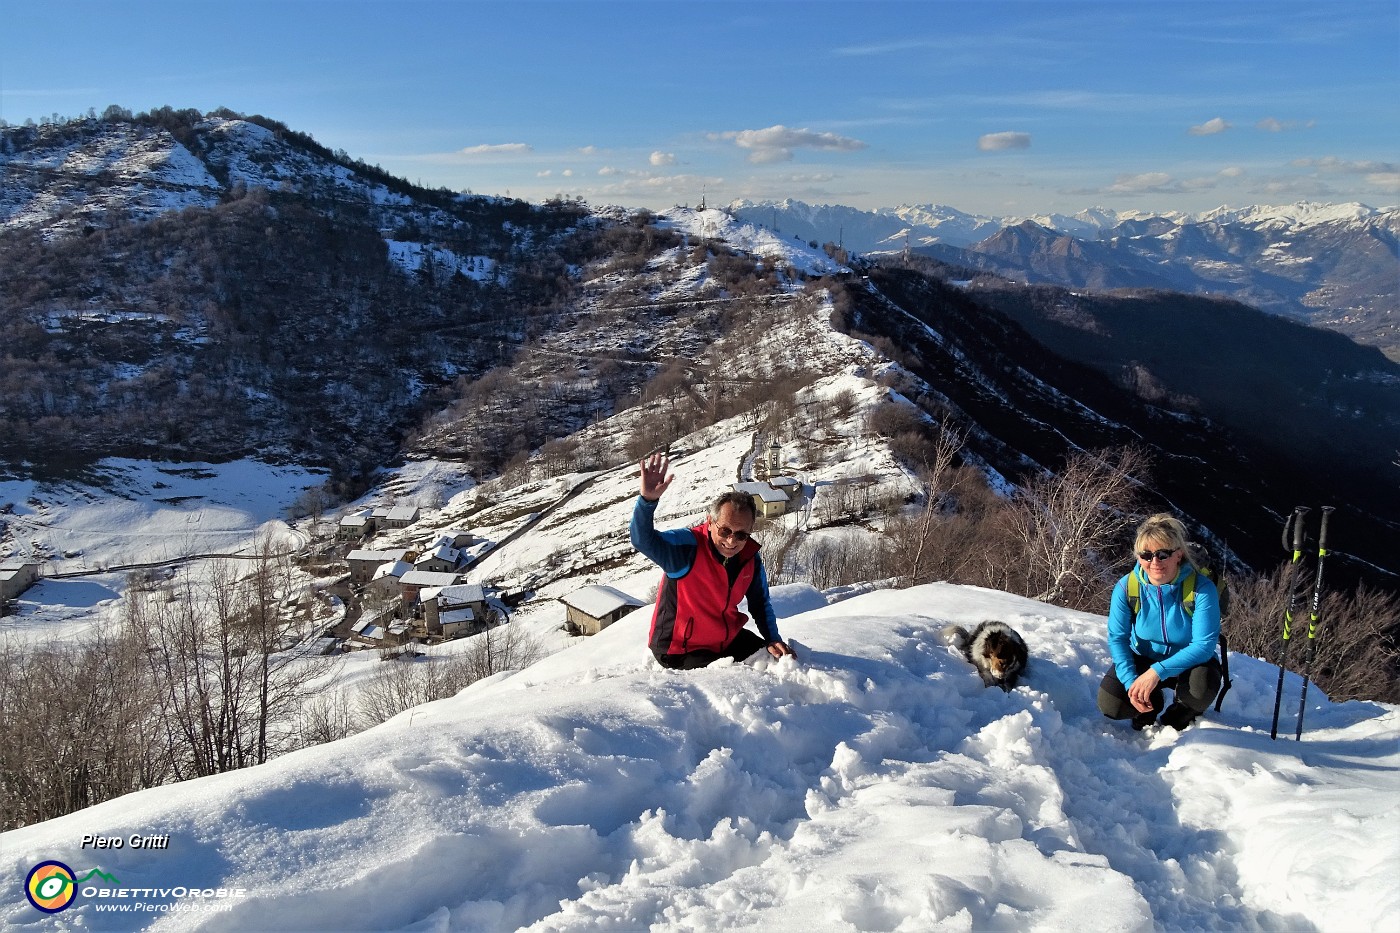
point(1336, 266)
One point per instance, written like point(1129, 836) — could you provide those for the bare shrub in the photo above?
point(830, 563)
point(76, 727)
point(402, 683)
point(778, 543)
point(326, 718)
point(891, 419)
point(1356, 651)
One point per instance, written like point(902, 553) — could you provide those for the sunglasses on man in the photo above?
point(724, 531)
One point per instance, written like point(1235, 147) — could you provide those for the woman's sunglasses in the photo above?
point(1162, 554)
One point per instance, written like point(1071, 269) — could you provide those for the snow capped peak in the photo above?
point(1300, 213)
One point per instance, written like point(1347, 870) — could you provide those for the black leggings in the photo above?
point(1195, 689)
point(743, 645)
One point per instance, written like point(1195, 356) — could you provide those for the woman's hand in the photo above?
point(779, 648)
point(1140, 693)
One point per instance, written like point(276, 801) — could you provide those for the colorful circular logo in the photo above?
point(50, 886)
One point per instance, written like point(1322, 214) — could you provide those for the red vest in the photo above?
point(700, 611)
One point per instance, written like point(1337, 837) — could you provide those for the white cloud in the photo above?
point(588, 150)
point(1146, 182)
point(1389, 182)
point(1271, 125)
point(607, 170)
point(501, 149)
point(1348, 167)
point(1383, 176)
point(806, 179)
point(544, 174)
point(567, 173)
point(1231, 171)
point(1210, 127)
point(996, 142)
point(663, 158)
point(776, 143)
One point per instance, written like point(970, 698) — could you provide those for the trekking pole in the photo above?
point(1297, 522)
point(1313, 618)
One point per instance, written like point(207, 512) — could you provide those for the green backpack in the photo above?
point(1188, 600)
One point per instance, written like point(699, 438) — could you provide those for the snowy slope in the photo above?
point(873, 785)
point(754, 238)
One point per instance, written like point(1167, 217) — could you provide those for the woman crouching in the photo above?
point(1156, 640)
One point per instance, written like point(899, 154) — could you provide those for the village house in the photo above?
point(363, 563)
point(442, 557)
point(590, 610)
point(401, 516)
point(456, 537)
point(387, 577)
point(455, 610)
point(16, 577)
point(414, 581)
point(372, 629)
point(768, 501)
point(354, 527)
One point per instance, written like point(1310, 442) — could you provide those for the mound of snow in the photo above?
point(874, 784)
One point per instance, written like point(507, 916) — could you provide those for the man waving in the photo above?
point(709, 569)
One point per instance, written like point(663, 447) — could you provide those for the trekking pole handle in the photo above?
point(1298, 520)
point(1327, 511)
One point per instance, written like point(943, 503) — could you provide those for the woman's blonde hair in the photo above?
point(1167, 529)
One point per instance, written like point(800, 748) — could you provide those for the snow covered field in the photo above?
point(874, 785)
point(149, 512)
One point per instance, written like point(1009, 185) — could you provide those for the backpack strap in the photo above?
point(1188, 592)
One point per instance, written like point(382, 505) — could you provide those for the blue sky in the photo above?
point(992, 107)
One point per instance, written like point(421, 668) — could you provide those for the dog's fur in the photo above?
point(994, 648)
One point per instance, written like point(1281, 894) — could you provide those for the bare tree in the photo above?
point(939, 481)
point(1065, 523)
point(229, 665)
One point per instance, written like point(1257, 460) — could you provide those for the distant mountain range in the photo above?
point(1336, 266)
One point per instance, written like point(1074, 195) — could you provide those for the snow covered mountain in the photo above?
point(873, 784)
point(1334, 265)
point(289, 297)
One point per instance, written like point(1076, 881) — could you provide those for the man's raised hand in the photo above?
point(654, 478)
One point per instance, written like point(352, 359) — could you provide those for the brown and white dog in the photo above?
point(994, 648)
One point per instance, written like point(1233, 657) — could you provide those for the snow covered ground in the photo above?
point(873, 785)
point(146, 513)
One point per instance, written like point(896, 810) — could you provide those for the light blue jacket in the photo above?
point(1162, 631)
